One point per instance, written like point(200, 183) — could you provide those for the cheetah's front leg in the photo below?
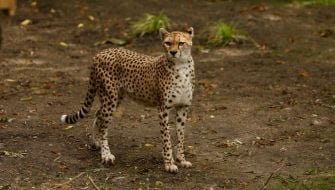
point(180, 124)
point(167, 147)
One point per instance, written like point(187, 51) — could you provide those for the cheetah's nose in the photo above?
point(173, 53)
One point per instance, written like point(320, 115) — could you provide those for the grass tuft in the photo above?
point(319, 2)
point(149, 24)
point(316, 182)
point(221, 34)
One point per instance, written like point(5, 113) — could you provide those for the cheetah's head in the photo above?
point(177, 45)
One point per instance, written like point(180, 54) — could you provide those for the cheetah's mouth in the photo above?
point(174, 56)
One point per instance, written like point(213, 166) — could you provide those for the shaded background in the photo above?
point(260, 115)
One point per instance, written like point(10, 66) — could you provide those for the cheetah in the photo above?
point(165, 82)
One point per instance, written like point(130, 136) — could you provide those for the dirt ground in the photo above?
point(260, 115)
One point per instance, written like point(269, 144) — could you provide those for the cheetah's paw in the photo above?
point(185, 164)
point(172, 168)
point(107, 158)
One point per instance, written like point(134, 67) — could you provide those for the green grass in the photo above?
point(149, 24)
point(221, 34)
point(297, 2)
point(319, 2)
point(314, 183)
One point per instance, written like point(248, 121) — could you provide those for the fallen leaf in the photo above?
point(117, 178)
point(63, 44)
point(26, 22)
point(230, 143)
point(238, 141)
point(34, 4)
point(13, 154)
point(317, 122)
point(283, 149)
point(10, 80)
point(56, 159)
point(35, 88)
point(115, 41)
point(259, 8)
point(280, 62)
point(202, 49)
point(303, 74)
point(91, 18)
point(40, 92)
point(25, 99)
point(272, 17)
point(148, 145)
point(326, 33)
point(69, 127)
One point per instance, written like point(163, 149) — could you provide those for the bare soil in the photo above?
point(258, 113)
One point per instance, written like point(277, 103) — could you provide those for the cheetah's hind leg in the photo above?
point(94, 141)
point(109, 102)
point(102, 136)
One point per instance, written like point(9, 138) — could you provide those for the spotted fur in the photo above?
point(165, 81)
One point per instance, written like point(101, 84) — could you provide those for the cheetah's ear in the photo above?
point(162, 33)
point(190, 31)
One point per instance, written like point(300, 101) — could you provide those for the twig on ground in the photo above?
point(69, 181)
point(272, 173)
point(91, 180)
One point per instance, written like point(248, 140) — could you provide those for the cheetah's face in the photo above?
point(177, 45)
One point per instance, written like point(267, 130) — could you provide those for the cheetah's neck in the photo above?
point(176, 66)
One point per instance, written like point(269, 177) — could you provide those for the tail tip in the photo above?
point(63, 118)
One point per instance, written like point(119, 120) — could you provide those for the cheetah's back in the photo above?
point(133, 73)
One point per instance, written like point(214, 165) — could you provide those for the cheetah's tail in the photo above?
point(71, 119)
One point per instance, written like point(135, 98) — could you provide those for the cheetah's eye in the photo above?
point(181, 43)
point(168, 43)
